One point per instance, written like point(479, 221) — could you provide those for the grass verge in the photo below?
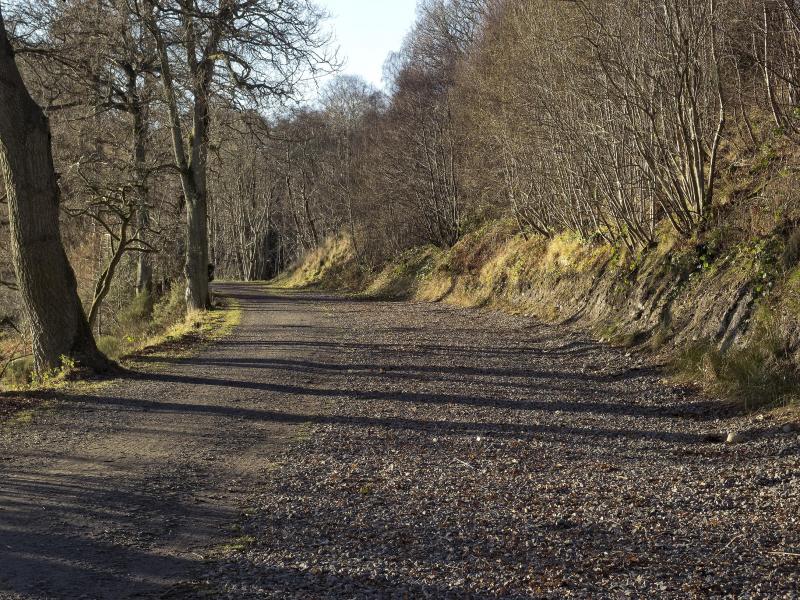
point(25, 396)
point(755, 376)
point(657, 300)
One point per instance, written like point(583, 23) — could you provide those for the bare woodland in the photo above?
point(181, 137)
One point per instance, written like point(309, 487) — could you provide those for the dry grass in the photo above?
point(756, 375)
point(553, 279)
point(333, 265)
point(167, 336)
point(403, 277)
point(186, 337)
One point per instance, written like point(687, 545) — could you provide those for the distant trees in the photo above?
point(606, 119)
point(240, 50)
point(245, 184)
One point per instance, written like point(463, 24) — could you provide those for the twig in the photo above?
point(733, 539)
point(466, 464)
point(779, 553)
point(8, 321)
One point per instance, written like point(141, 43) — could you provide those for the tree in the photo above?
point(779, 56)
point(58, 325)
point(249, 51)
point(95, 88)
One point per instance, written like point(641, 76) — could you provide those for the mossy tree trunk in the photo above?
point(46, 280)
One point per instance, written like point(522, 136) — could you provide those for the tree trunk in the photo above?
point(58, 325)
point(103, 285)
point(144, 268)
point(192, 167)
point(196, 268)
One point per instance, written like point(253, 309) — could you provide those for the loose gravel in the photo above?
point(472, 454)
point(332, 448)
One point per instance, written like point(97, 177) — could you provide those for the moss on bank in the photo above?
point(725, 315)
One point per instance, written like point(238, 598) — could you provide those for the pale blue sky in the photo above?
point(367, 31)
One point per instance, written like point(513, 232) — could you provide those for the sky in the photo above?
point(367, 31)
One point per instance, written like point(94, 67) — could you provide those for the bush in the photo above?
point(137, 313)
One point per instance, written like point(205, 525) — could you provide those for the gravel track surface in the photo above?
point(123, 493)
point(450, 454)
point(464, 453)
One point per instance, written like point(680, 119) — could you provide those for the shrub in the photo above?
point(137, 313)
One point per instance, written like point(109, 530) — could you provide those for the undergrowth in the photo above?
point(143, 326)
point(566, 278)
point(760, 373)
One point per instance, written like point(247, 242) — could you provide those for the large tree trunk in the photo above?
point(196, 268)
point(46, 280)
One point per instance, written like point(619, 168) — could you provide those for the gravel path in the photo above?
point(461, 453)
point(124, 493)
point(452, 454)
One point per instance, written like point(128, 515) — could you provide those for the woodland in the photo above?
point(522, 323)
point(188, 143)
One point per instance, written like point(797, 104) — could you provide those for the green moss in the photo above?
point(24, 417)
point(238, 545)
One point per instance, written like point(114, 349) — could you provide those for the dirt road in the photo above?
point(349, 449)
point(123, 493)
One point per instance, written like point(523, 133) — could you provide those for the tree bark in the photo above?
point(46, 280)
point(144, 268)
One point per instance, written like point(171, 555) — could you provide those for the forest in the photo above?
point(522, 322)
point(182, 135)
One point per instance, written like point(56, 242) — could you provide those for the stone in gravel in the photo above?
point(788, 428)
point(734, 437)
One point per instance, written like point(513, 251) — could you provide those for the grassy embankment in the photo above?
point(724, 314)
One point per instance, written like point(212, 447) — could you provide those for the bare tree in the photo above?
point(779, 56)
point(250, 49)
point(116, 77)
